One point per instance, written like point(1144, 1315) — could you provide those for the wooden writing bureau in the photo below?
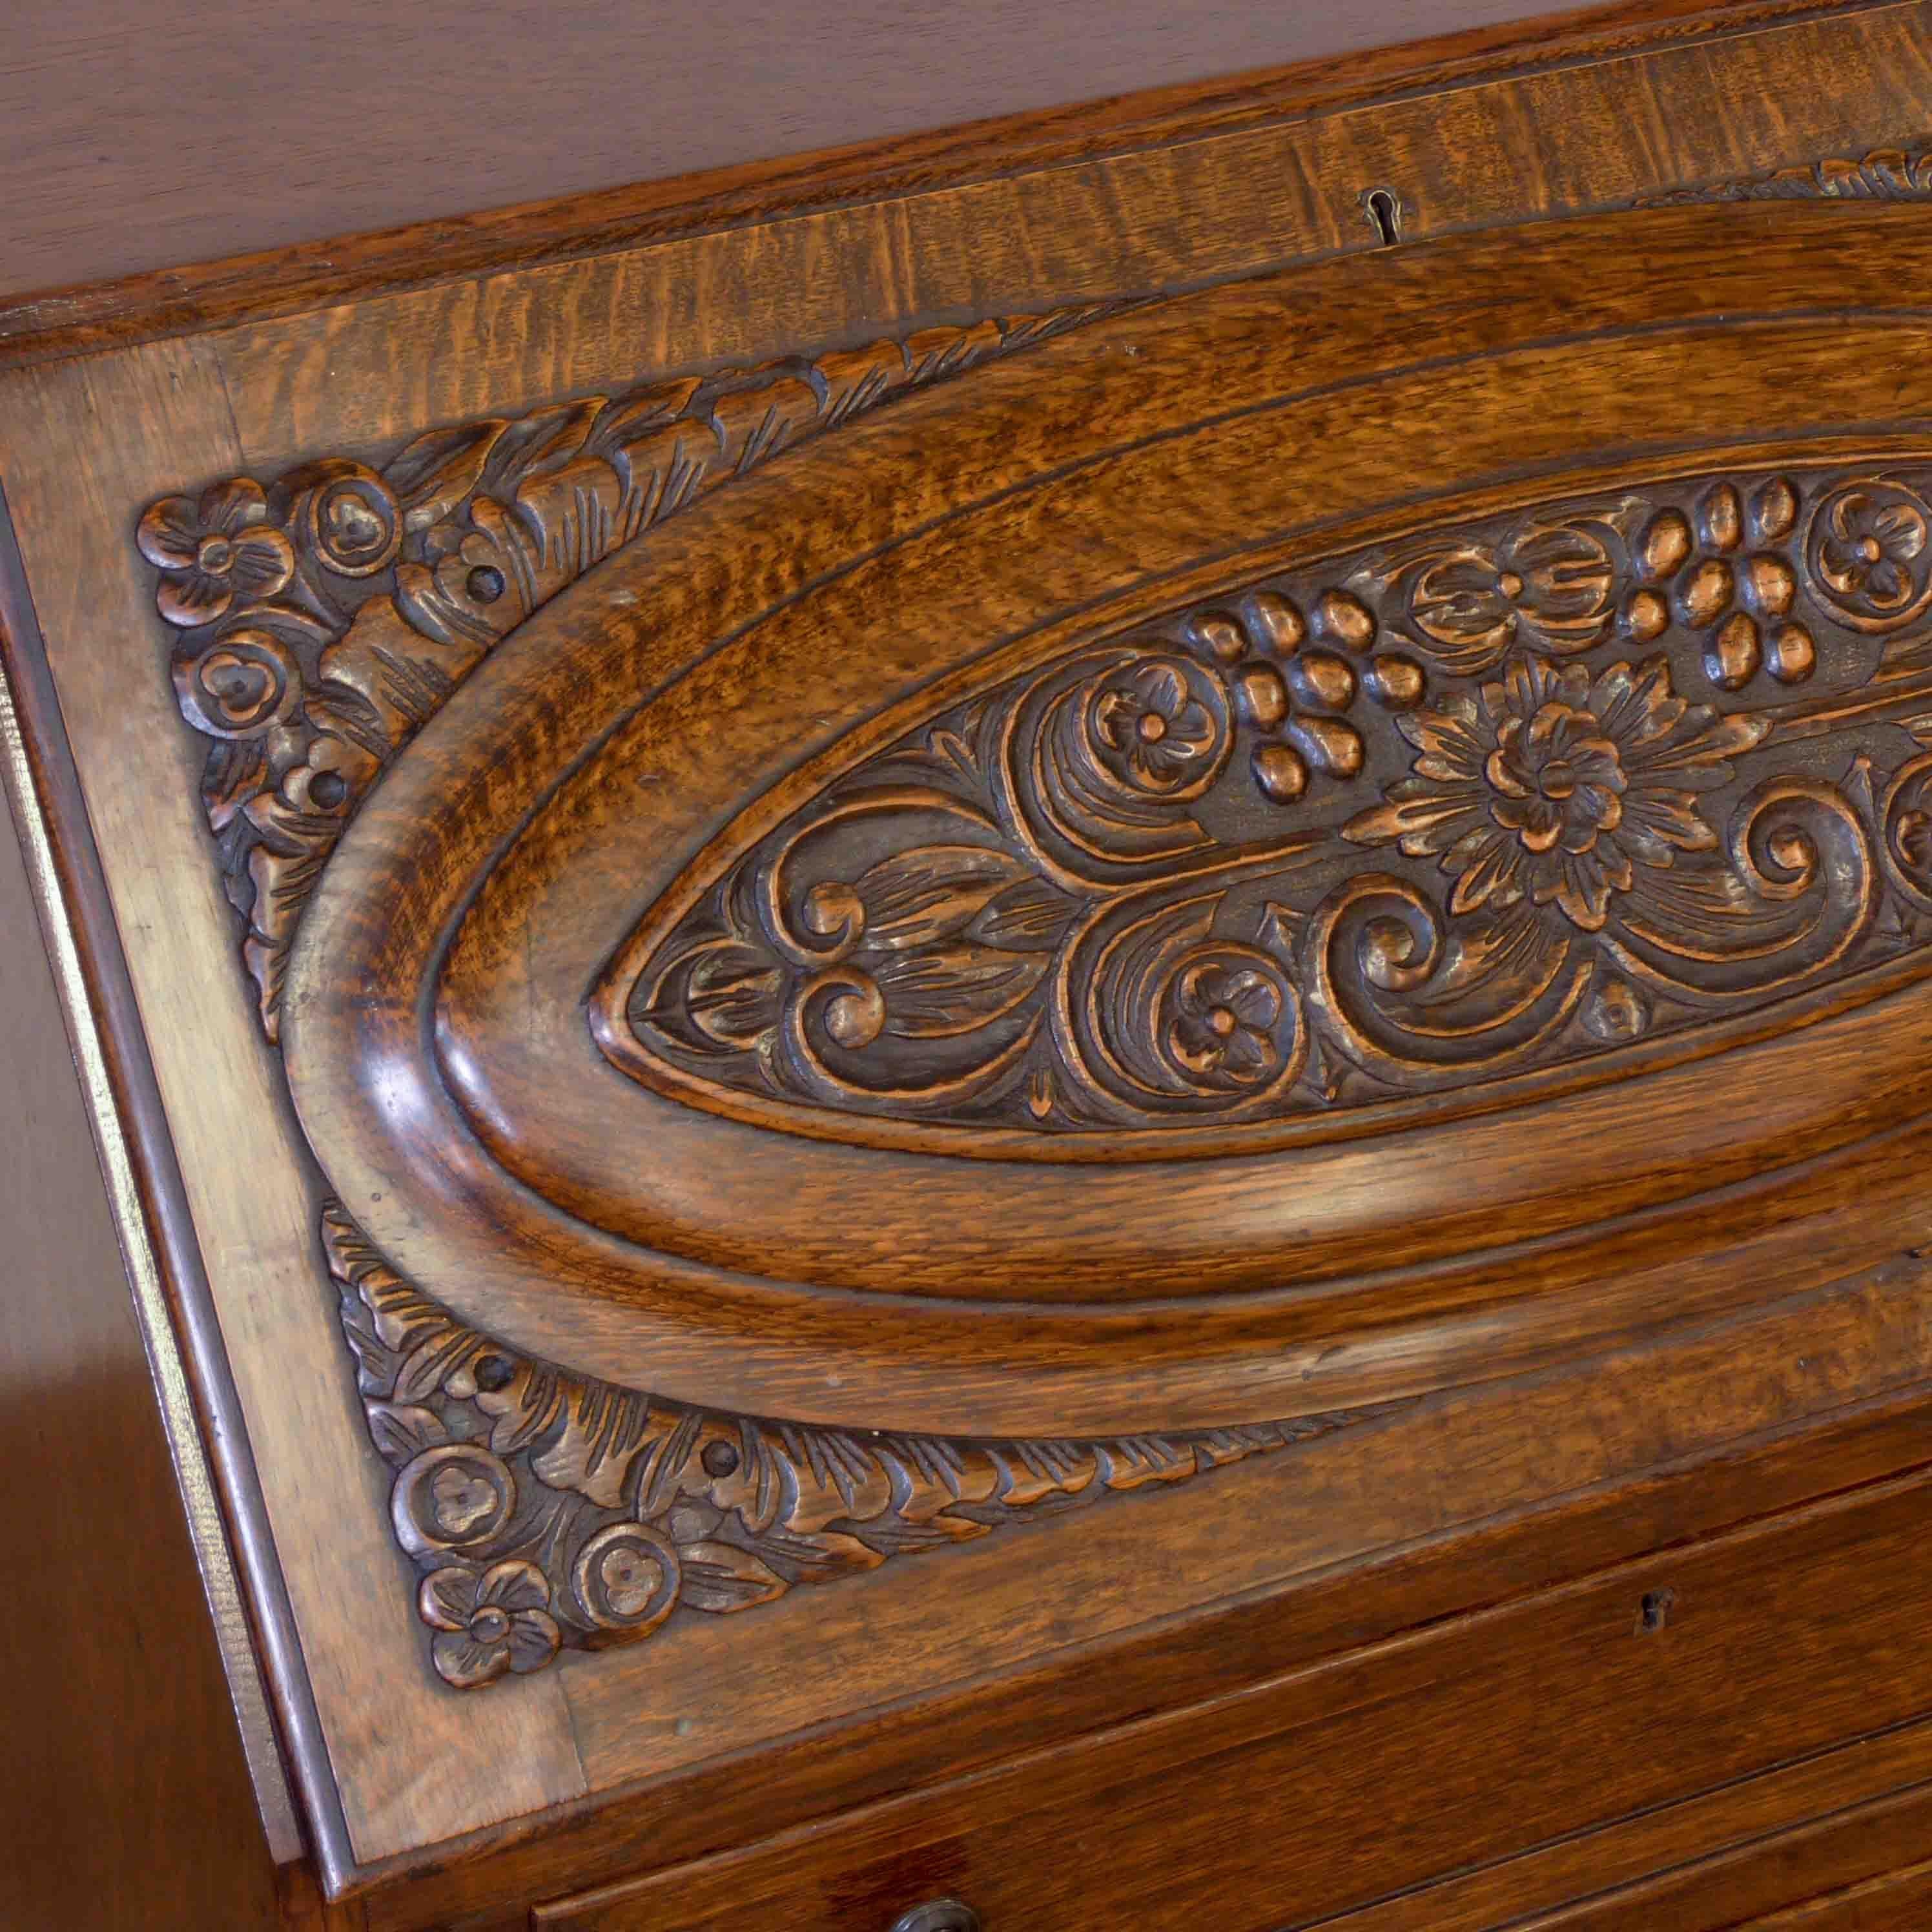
point(1037, 1029)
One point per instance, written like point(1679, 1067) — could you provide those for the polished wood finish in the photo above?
point(748, 1452)
point(365, 119)
point(678, 1222)
point(1761, 1646)
point(301, 255)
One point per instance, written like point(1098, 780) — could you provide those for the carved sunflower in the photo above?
point(1554, 785)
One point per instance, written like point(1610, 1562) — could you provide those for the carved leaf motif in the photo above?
point(431, 476)
point(1886, 174)
point(915, 899)
point(588, 1514)
point(342, 607)
point(1028, 915)
point(401, 1431)
point(730, 994)
point(949, 990)
point(721, 1577)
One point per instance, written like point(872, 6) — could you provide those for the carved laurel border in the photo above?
point(1886, 174)
point(545, 1509)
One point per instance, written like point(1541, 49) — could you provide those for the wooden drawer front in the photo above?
point(1465, 1743)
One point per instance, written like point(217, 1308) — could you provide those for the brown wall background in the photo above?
point(126, 1799)
point(139, 136)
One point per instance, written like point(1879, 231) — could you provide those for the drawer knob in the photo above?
point(938, 1915)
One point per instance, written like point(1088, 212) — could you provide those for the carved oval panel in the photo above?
point(1587, 776)
point(1140, 869)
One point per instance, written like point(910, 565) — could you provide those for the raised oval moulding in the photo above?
point(1021, 895)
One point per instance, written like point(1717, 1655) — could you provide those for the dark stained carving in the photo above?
point(1485, 800)
point(319, 623)
point(545, 1509)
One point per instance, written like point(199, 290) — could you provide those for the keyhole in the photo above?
point(1383, 206)
point(1653, 1613)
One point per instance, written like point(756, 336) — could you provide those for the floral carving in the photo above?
point(1221, 1024)
point(1465, 805)
point(545, 1510)
point(1553, 785)
point(1905, 818)
point(320, 623)
point(1867, 550)
point(489, 1624)
point(1152, 730)
point(213, 550)
point(1127, 888)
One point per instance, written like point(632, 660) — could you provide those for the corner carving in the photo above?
point(320, 623)
point(544, 1510)
point(1495, 797)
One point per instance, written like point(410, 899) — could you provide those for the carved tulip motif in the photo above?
point(1546, 586)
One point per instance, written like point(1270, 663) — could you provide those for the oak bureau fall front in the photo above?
point(732, 963)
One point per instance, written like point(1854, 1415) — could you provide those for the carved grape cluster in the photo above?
point(1726, 578)
point(1295, 679)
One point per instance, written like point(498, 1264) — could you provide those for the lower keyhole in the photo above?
point(1653, 1613)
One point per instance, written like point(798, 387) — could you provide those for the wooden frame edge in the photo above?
point(49, 325)
point(1882, 1437)
point(208, 1443)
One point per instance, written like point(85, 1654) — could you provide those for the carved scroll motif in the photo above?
point(544, 1510)
point(1491, 799)
point(319, 623)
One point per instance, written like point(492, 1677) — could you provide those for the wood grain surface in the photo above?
point(703, 1226)
point(1504, 1492)
point(1484, 1506)
point(356, 117)
point(1755, 1647)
